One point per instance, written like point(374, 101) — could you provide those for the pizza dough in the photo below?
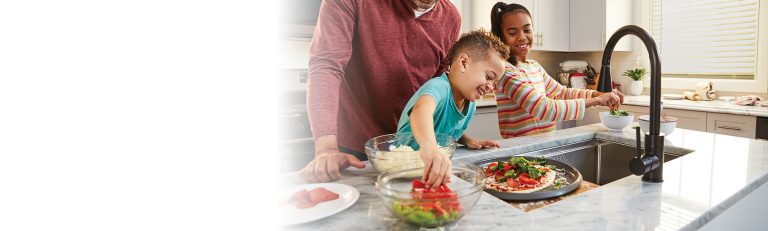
point(402, 157)
point(548, 180)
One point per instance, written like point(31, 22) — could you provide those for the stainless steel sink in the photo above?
point(599, 161)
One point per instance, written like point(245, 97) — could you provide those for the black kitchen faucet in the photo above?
point(650, 165)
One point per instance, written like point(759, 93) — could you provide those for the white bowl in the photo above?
point(615, 123)
point(666, 125)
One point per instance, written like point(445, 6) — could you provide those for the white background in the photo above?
point(137, 115)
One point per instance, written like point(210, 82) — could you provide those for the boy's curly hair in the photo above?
point(477, 44)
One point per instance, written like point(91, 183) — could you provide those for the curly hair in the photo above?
point(477, 44)
point(497, 13)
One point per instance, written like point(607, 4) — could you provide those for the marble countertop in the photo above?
point(698, 186)
point(718, 106)
point(486, 102)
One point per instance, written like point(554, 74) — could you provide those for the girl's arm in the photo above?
point(538, 105)
point(557, 91)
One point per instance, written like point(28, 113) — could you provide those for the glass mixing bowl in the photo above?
point(400, 151)
point(430, 208)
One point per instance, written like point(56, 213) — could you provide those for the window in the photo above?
point(706, 39)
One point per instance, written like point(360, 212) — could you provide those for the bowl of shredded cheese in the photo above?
point(400, 151)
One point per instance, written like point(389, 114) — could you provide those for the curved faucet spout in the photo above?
point(654, 142)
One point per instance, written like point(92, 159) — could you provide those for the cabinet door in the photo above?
point(734, 125)
point(481, 12)
point(691, 120)
point(552, 25)
point(484, 124)
point(587, 25)
point(594, 21)
point(618, 13)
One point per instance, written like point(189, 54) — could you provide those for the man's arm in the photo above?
point(330, 51)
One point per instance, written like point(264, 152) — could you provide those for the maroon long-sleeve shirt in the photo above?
point(368, 57)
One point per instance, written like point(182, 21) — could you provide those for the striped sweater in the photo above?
point(529, 101)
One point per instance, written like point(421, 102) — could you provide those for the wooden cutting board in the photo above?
point(531, 205)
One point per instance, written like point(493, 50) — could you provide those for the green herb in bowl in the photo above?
point(618, 112)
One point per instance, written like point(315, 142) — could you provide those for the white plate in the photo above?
point(291, 215)
point(726, 98)
point(672, 96)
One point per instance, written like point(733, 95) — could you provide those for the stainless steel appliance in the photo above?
point(762, 128)
point(296, 145)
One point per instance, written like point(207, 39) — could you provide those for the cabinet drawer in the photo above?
point(692, 120)
point(734, 125)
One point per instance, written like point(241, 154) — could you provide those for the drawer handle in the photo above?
point(730, 128)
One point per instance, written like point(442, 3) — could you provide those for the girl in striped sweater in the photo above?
point(528, 100)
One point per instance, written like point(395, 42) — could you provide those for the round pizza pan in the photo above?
point(569, 173)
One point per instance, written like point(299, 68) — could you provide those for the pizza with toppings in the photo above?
point(519, 175)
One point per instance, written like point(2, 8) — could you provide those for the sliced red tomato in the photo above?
point(507, 167)
point(418, 183)
point(513, 183)
point(488, 168)
point(523, 178)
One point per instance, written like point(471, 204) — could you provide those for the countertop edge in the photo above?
point(718, 209)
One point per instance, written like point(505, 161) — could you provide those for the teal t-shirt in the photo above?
point(448, 118)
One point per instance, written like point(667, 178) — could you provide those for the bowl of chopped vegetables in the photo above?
point(616, 120)
point(405, 196)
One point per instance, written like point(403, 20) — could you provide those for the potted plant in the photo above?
point(636, 75)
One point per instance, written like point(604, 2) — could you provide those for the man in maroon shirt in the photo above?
point(368, 57)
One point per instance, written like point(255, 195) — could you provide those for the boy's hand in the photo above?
point(480, 144)
point(437, 167)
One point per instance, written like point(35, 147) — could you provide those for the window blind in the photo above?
point(706, 38)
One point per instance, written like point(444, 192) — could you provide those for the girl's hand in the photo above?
point(621, 95)
point(480, 144)
point(437, 167)
point(607, 99)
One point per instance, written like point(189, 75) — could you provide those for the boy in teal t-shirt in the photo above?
point(445, 104)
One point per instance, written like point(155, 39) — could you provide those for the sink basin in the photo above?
point(599, 161)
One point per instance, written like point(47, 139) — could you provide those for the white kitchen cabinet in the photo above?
point(691, 120)
point(726, 124)
point(729, 124)
point(484, 124)
point(592, 22)
point(550, 21)
point(551, 25)
point(481, 12)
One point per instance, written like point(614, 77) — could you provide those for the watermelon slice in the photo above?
point(308, 199)
point(321, 194)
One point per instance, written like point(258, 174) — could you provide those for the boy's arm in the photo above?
point(437, 167)
point(422, 122)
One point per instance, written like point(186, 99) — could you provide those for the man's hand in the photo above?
point(328, 162)
point(437, 167)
